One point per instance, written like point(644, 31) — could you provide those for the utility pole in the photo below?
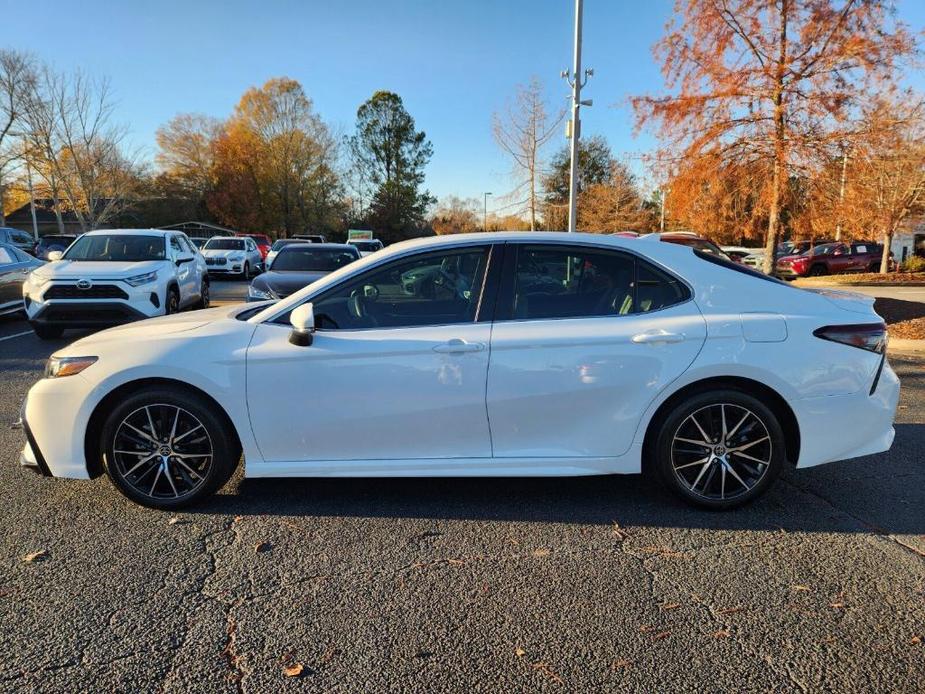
point(841, 194)
point(485, 212)
point(661, 194)
point(576, 80)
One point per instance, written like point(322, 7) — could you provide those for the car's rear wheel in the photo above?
point(204, 296)
point(168, 448)
point(720, 449)
point(47, 332)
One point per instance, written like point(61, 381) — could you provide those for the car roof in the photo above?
point(321, 246)
point(134, 232)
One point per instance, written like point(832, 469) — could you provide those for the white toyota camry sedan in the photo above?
point(500, 354)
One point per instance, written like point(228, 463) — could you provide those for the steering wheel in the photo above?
point(356, 303)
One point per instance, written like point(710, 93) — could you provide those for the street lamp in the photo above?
point(485, 212)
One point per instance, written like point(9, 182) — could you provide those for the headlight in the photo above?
point(255, 293)
point(139, 280)
point(36, 280)
point(59, 367)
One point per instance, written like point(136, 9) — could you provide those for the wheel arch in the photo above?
point(104, 407)
point(765, 393)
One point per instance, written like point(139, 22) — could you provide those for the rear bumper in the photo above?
point(848, 426)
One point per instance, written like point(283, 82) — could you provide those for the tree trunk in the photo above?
point(780, 154)
point(885, 258)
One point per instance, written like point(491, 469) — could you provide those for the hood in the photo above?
point(848, 301)
point(288, 282)
point(152, 328)
point(791, 258)
point(221, 253)
point(97, 269)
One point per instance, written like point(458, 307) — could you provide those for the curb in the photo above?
point(915, 348)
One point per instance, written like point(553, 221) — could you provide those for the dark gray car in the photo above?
point(17, 237)
point(15, 266)
point(297, 265)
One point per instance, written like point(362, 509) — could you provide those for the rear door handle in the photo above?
point(458, 346)
point(657, 336)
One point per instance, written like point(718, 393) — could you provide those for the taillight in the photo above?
point(869, 336)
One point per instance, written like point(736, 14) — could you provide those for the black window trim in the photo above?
point(505, 303)
point(282, 317)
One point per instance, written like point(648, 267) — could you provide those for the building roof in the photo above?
point(194, 226)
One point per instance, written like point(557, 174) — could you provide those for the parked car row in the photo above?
point(493, 354)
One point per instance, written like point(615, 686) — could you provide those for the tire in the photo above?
point(204, 297)
point(716, 476)
point(246, 273)
point(182, 465)
point(47, 332)
point(817, 271)
point(172, 301)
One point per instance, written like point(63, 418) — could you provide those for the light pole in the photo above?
point(485, 211)
point(662, 193)
point(576, 80)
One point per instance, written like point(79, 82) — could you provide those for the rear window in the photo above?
point(737, 267)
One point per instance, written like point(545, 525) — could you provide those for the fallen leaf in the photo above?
point(799, 587)
point(173, 521)
point(542, 552)
point(455, 561)
point(916, 639)
point(546, 670)
point(621, 664)
point(619, 532)
point(646, 628)
point(837, 605)
point(35, 556)
point(670, 606)
point(520, 652)
point(661, 635)
point(730, 610)
point(721, 634)
point(262, 547)
point(293, 670)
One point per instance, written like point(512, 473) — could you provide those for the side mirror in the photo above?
point(303, 325)
point(55, 255)
point(184, 259)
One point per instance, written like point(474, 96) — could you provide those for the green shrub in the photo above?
point(914, 263)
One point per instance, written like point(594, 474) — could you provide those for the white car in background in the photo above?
point(587, 354)
point(367, 246)
point(114, 276)
point(233, 255)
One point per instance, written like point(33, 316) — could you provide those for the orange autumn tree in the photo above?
point(770, 81)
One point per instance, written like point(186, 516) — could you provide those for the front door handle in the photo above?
point(657, 336)
point(459, 346)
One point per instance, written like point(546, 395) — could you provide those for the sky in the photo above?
point(453, 62)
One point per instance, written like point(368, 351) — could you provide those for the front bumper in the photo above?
point(136, 303)
point(57, 450)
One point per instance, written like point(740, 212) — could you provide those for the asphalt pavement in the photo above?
point(587, 584)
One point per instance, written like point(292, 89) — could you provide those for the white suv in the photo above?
point(114, 276)
point(233, 255)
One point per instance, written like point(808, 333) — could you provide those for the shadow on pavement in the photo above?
point(872, 494)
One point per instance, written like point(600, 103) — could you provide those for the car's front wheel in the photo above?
point(246, 273)
point(167, 448)
point(172, 304)
point(720, 449)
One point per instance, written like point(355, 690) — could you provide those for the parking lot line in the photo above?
point(10, 337)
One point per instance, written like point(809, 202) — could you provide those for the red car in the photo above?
point(833, 259)
point(263, 243)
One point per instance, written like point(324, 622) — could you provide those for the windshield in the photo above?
point(308, 259)
point(224, 244)
point(117, 248)
point(826, 249)
point(279, 243)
